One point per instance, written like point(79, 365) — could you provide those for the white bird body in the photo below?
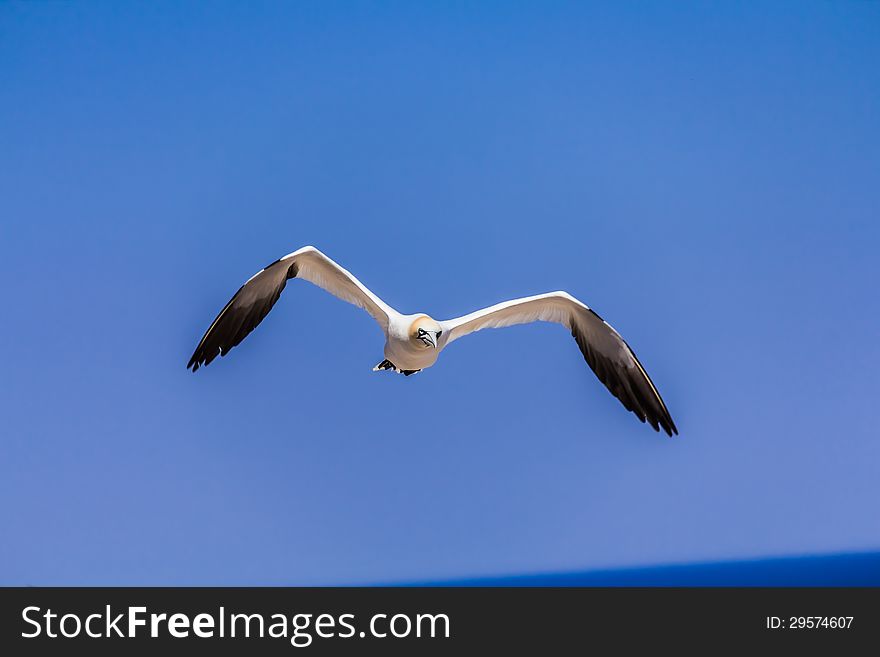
point(414, 342)
point(399, 346)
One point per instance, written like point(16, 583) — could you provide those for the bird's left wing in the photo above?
point(253, 301)
point(613, 362)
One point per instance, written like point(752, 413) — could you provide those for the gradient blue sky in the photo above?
point(705, 175)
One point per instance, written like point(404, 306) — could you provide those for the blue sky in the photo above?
point(705, 176)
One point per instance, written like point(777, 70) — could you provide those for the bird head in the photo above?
point(425, 332)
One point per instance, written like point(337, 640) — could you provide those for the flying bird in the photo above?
point(413, 342)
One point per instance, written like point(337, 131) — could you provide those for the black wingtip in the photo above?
point(201, 358)
point(244, 311)
point(637, 394)
point(668, 425)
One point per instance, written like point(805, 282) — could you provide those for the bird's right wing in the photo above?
point(255, 299)
point(610, 358)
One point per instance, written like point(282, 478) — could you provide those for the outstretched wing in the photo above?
point(255, 299)
point(604, 350)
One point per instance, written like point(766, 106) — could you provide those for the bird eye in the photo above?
point(439, 333)
point(421, 331)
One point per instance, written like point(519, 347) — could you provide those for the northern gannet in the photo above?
point(413, 342)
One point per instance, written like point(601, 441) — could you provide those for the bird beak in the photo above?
point(432, 338)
